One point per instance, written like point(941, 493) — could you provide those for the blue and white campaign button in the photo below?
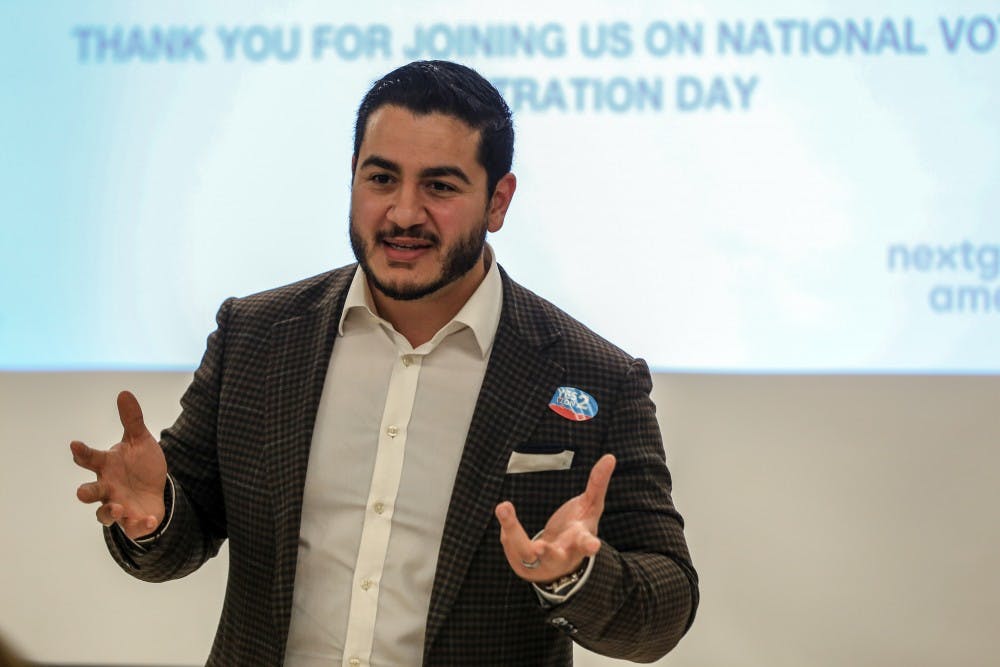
point(573, 404)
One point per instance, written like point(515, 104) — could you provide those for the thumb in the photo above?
point(130, 415)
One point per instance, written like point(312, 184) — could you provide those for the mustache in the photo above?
point(395, 231)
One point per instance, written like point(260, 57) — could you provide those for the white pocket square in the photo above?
point(522, 462)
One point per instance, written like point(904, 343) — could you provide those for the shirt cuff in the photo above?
point(550, 599)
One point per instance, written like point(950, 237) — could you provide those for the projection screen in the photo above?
point(792, 187)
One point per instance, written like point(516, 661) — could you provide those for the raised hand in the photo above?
point(130, 476)
point(570, 534)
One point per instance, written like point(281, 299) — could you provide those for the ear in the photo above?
point(500, 201)
point(354, 165)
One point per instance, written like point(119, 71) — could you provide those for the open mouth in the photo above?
point(406, 249)
point(407, 244)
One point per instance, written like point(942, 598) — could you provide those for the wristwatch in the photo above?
point(565, 583)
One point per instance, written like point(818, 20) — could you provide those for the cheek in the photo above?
point(453, 221)
point(364, 211)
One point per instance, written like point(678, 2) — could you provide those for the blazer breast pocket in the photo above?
point(539, 458)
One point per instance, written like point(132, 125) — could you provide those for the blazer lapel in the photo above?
point(298, 357)
point(518, 380)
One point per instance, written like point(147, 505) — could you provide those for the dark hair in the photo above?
point(439, 86)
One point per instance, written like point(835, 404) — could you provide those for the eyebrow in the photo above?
point(429, 172)
point(435, 172)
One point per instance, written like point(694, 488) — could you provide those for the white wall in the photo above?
point(837, 520)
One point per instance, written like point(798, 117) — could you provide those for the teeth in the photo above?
point(401, 246)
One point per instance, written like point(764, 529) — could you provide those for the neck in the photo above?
point(419, 319)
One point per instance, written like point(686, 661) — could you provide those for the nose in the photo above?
point(407, 209)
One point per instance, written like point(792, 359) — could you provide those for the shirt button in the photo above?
point(367, 584)
point(407, 360)
point(354, 662)
point(379, 508)
point(392, 431)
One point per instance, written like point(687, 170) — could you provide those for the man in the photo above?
point(411, 458)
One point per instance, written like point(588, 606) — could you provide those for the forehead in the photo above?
point(397, 133)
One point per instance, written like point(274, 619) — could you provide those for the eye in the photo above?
point(441, 186)
point(380, 178)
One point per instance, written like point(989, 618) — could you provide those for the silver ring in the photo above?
point(533, 564)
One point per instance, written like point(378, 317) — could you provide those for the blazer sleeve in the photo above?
point(197, 526)
point(642, 593)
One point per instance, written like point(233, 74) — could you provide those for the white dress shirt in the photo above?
point(388, 438)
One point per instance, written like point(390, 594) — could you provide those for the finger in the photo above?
point(587, 543)
point(576, 542)
point(140, 525)
point(597, 485)
point(516, 543)
point(91, 492)
point(130, 415)
point(85, 457)
point(109, 513)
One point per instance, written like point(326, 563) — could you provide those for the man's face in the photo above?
point(419, 210)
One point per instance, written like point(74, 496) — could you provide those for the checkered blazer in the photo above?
point(239, 450)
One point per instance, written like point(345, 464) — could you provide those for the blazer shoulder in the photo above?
point(562, 335)
point(289, 301)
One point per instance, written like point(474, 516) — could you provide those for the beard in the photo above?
point(458, 260)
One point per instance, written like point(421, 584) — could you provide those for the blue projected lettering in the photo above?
point(155, 44)
point(257, 42)
point(441, 40)
point(614, 39)
point(982, 260)
point(350, 42)
point(664, 39)
point(694, 94)
point(979, 261)
point(979, 33)
point(826, 36)
point(780, 189)
point(964, 299)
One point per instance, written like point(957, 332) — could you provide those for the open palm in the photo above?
point(570, 535)
point(131, 475)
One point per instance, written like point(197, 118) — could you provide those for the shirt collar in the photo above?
point(481, 313)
